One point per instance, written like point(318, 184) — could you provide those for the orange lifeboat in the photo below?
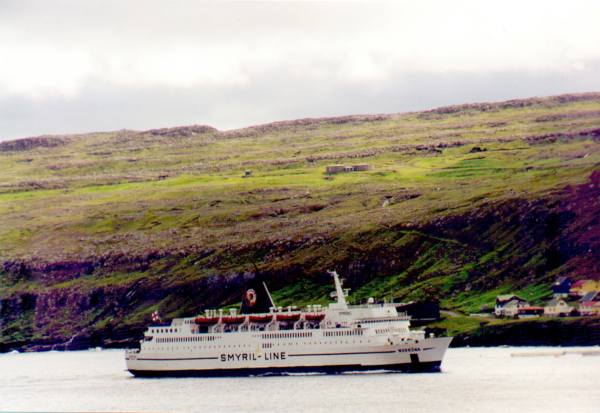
point(206, 320)
point(314, 316)
point(261, 318)
point(288, 316)
point(233, 319)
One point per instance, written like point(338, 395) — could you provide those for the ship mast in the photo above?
point(339, 292)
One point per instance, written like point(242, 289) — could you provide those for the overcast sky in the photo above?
point(80, 66)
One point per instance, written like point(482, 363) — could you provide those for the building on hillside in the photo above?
point(530, 312)
point(508, 305)
point(361, 167)
point(557, 307)
point(582, 287)
point(590, 304)
point(335, 169)
point(561, 287)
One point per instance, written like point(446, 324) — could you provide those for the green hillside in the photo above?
point(461, 203)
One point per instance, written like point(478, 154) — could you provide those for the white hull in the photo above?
point(425, 355)
point(337, 338)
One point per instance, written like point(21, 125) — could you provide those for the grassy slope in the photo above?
point(181, 193)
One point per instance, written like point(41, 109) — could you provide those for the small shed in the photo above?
point(334, 169)
point(361, 167)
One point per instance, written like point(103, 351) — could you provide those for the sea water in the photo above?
point(472, 380)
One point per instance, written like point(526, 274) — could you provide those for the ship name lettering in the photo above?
point(252, 357)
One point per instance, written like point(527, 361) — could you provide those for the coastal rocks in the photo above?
point(571, 332)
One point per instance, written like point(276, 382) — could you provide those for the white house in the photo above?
point(557, 307)
point(508, 305)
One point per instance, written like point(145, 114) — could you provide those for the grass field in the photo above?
point(180, 197)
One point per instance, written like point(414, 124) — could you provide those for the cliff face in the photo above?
point(460, 204)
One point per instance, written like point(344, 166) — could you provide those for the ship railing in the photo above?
point(399, 317)
point(378, 305)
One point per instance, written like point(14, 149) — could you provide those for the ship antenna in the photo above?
point(257, 272)
point(341, 299)
point(269, 294)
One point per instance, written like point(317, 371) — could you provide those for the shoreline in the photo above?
point(568, 349)
point(566, 332)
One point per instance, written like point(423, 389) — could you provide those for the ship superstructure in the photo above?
point(336, 338)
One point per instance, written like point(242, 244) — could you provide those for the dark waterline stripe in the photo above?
point(192, 358)
point(342, 354)
point(430, 366)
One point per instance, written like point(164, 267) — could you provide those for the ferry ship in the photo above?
point(333, 339)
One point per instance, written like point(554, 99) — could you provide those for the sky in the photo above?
point(99, 65)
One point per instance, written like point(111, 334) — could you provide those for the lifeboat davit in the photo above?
point(261, 318)
point(288, 316)
point(233, 319)
point(314, 316)
point(206, 320)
